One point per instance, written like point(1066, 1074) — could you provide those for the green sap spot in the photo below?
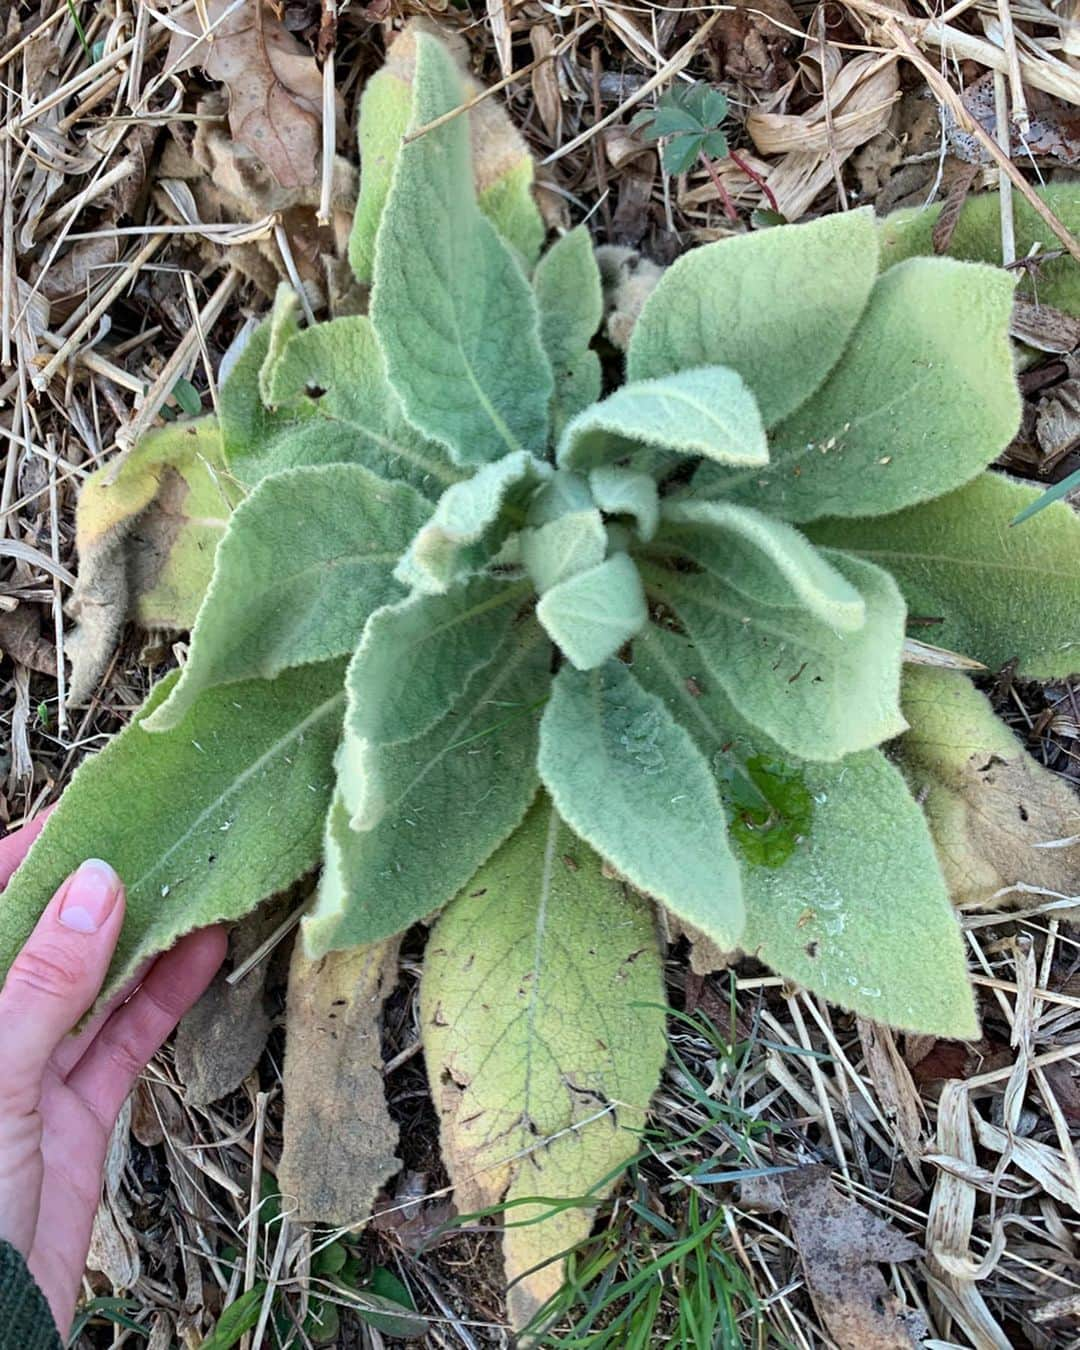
point(769, 808)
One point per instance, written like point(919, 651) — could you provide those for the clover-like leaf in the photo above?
point(909, 413)
point(888, 948)
point(708, 412)
point(418, 655)
point(456, 319)
point(567, 285)
point(563, 547)
point(592, 613)
point(819, 693)
point(471, 521)
point(441, 815)
point(976, 586)
point(332, 404)
point(284, 594)
point(200, 828)
point(541, 1067)
point(778, 307)
point(627, 777)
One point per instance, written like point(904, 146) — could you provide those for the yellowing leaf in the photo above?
point(501, 164)
point(990, 591)
point(541, 1014)
point(147, 528)
point(992, 808)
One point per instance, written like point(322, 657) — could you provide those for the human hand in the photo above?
point(60, 1094)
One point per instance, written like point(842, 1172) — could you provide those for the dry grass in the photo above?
point(120, 279)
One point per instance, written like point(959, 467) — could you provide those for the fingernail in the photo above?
point(90, 897)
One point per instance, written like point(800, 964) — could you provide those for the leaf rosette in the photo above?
point(493, 632)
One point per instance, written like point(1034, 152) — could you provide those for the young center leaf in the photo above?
point(199, 827)
point(857, 911)
point(819, 691)
point(568, 293)
point(975, 585)
point(909, 412)
point(470, 522)
point(147, 528)
point(992, 809)
point(777, 306)
point(456, 319)
point(707, 412)
point(541, 1009)
point(622, 492)
point(286, 592)
point(628, 779)
point(563, 547)
point(591, 614)
point(448, 799)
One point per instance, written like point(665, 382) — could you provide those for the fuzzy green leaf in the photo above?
point(765, 559)
point(449, 799)
point(707, 412)
point(994, 593)
point(455, 317)
point(629, 779)
point(1054, 280)
point(563, 547)
point(622, 492)
point(591, 614)
point(502, 165)
point(909, 413)
point(818, 693)
point(858, 912)
point(282, 326)
point(543, 1028)
point(471, 521)
point(333, 405)
point(563, 493)
point(200, 828)
point(418, 655)
point(567, 285)
point(778, 307)
point(307, 557)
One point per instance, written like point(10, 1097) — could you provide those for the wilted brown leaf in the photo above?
point(339, 1138)
point(21, 639)
point(996, 815)
point(274, 84)
point(840, 1244)
point(755, 41)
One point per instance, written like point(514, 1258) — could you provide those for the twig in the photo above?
point(718, 183)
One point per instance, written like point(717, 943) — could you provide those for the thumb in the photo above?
point(55, 979)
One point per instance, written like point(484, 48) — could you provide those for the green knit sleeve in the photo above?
point(25, 1320)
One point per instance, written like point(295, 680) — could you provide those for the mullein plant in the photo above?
point(542, 664)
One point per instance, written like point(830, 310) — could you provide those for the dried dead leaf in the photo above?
point(412, 1218)
point(114, 1248)
point(219, 1041)
point(274, 84)
point(840, 1244)
point(1043, 327)
point(997, 816)
point(545, 82)
point(1057, 422)
point(21, 639)
point(755, 41)
point(339, 1138)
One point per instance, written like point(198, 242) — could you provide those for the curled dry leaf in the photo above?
point(146, 535)
point(21, 639)
point(274, 84)
point(219, 1041)
point(339, 1138)
point(840, 1244)
point(996, 815)
point(858, 104)
point(754, 41)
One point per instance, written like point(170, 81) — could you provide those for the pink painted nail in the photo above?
point(91, 894)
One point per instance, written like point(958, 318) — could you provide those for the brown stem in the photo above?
point(725, 195)
point(741, 163)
